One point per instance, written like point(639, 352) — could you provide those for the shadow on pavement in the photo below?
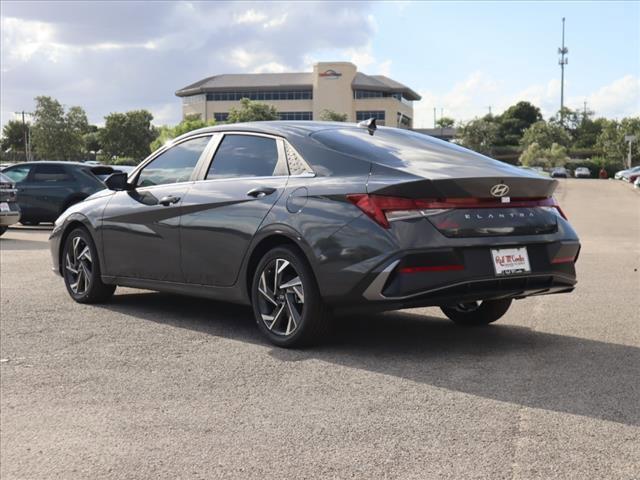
point(7, 244)
point(22, 238)
point(502, 362)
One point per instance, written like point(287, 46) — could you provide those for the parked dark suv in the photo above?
point(46, 189)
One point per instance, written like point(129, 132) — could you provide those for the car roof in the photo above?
point(281, 128)
point(53, 162)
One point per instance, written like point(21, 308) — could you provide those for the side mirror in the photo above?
point(117, 181)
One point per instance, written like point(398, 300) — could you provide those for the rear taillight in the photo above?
point(383, 209)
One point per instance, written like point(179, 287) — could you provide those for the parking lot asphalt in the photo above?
point(160, 386)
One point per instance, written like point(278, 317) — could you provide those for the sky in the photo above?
point(462, 57)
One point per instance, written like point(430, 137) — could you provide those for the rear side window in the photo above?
point(244, 156)
point(175, 165)
point(18, 173)
point(51, 173)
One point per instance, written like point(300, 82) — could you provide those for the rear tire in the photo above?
point(477, 313)
point(81, 269)
point(286, 300)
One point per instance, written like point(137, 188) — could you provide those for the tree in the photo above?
point(587, 131)
point(611, 140)
point(536, 156)
point(479, 135)
point(331, 116)
point(190, 123)
point(445, 122)
point(252, 111)
point(128, 134)
point(13, 136)
point(56, 135)
point(545, 134)
point(515, 120)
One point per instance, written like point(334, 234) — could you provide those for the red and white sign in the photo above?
point(510, 261)
point(330, 74)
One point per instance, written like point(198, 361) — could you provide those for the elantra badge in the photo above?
point(499, 190)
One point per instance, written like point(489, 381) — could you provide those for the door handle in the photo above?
point(260, 192)
point(169, 200)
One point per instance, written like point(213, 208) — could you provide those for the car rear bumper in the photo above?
point(10, 217)
point(434, 277)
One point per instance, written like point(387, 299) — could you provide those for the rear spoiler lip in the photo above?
point(399, 183)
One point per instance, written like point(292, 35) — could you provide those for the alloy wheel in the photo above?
point(79, 266)
point(280, 297)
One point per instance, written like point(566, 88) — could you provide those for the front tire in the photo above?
point(477, 313)
point(81, 269)
point(286, 300)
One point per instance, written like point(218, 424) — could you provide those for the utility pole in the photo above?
point(434, 117)
point(562, 61)
point(25, 132)
point(489, 107)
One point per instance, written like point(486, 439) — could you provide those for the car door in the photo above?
point(224, 209)
point(140, 229)
point(20, 174)
point(47, 188)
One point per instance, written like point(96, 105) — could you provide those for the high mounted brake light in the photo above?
point(382, 208)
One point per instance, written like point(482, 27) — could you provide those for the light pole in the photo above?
point(562, 61)
point(629, 139)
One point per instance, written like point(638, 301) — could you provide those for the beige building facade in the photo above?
point(334, 86)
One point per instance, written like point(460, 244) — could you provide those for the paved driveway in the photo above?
point(160, 386)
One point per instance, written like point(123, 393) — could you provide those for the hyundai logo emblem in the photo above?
point(499, 190)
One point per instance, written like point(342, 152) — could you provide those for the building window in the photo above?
point(221, 117)
point(376, 94)
point(367, 114)
point(295, 115)
point(404, 121)
point(191, 99)
point(367, 94)
point(235, 96)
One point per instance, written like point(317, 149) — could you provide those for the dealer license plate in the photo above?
point(4, 207)
point(510, 261)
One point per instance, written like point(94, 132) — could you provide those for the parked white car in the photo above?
point(582, 172)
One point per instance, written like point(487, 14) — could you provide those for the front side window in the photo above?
point(51, 173)
point(175, 165)
point(244, 156)
point(18, 173)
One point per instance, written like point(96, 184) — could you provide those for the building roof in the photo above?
point(276, 81)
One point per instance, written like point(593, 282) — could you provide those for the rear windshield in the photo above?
point(391, 146)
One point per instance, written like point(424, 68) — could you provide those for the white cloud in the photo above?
point(467, 99)
point(472, 97)
point(250, 16)
point(100, 56)
point(620, 98)
point(276, 22)
point(22, 39)
point(271, 67)
point(384, 68)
